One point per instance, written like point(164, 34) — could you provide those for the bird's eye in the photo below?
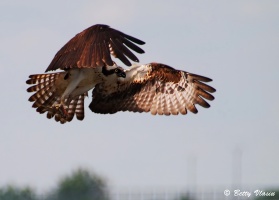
point(116, 70)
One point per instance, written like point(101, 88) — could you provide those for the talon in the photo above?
point(61, 109)
point(57, 106)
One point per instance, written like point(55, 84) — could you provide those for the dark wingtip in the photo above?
point(140, 42)
point(141, 52)
point(135, 40)
point(29, 89)
point(213, 90)
point(80, 117)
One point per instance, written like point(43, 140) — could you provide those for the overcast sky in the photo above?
point(236, 43)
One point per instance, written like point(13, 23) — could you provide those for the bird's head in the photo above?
point(120, 72)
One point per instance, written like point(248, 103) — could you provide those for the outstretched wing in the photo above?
point(155, 88)
point(47, 94)
point(94, 46)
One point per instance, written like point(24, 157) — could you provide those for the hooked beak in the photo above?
point(122, 74)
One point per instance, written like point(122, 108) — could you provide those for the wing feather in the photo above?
point(155, 88)
point(46, 95)
point(118, 53)
point(89, 49)
point(133, 47)
point(125, 50)
point(106, 53)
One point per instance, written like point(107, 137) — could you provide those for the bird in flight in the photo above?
point(85, 63)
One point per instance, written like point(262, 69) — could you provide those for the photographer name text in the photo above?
point(256, 193)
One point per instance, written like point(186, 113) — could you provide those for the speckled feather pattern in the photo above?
point(155, 88)
point(160, 90)
point(46, 95)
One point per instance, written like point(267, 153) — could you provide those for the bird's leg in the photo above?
point(73, 79)
point(61, 108)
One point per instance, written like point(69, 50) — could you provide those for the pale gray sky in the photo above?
point(236, 43)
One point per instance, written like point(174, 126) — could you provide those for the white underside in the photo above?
point(136, 72)
point(83, 80)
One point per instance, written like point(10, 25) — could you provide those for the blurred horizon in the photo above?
point(83, 183)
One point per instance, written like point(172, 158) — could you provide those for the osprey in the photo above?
point(86, 63)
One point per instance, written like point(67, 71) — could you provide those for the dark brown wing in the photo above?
point(94, 46)
point(155, 88)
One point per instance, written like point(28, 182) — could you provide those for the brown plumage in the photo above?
point(92, 48)
point(155, 88)
point(86, 63)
